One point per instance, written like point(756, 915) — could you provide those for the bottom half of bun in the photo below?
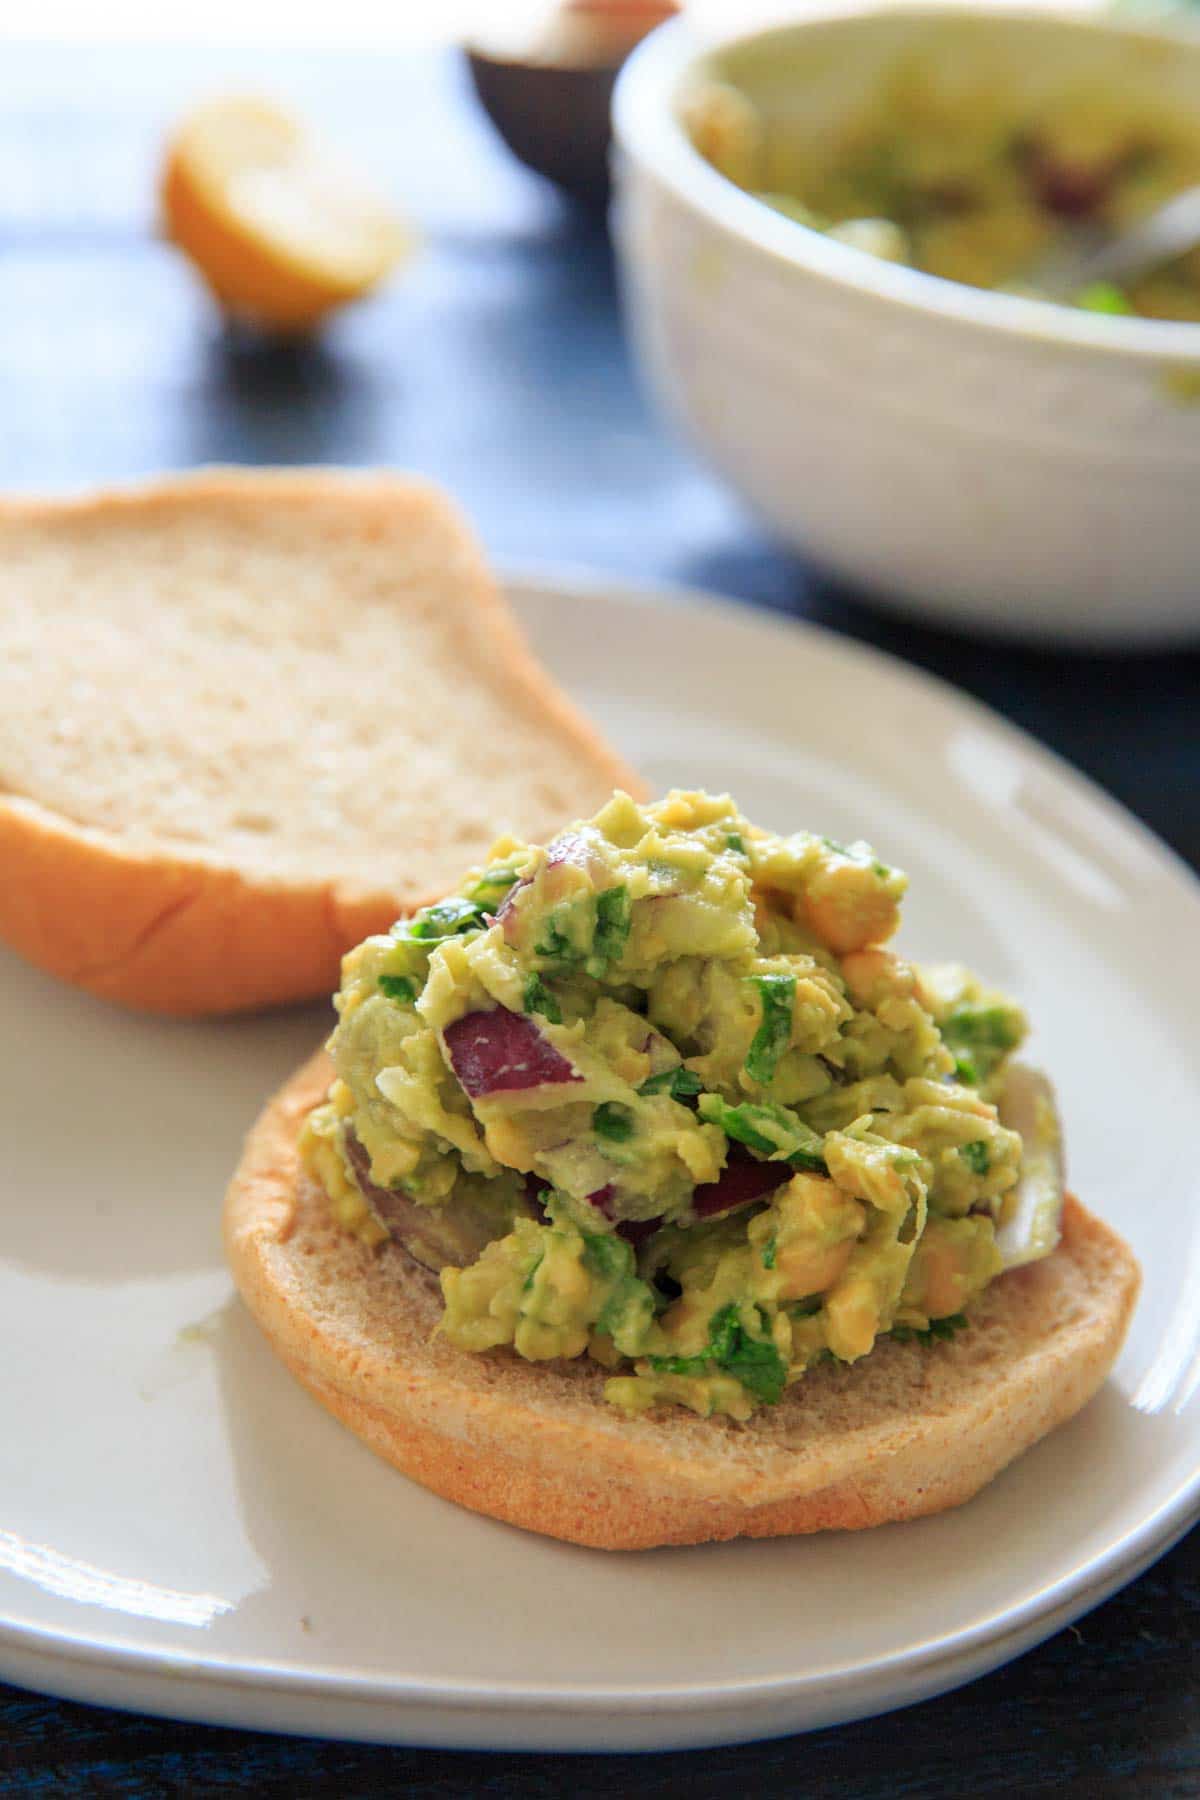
point(908, 1430)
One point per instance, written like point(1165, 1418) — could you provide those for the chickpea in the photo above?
point(850, 905)
point(508, 1143)
point(944, 1287)
point(853, 1315)
point(811, 1268)
point(878, 237)
point(875, 975)
point(943, 1282)
point(726, 129)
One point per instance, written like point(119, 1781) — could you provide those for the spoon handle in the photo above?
point(1168, 232)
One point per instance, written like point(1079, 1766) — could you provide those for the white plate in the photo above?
point(183, 1530)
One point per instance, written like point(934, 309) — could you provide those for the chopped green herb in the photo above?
point(774, 1131)
point(680, 1083)
point(630, 1306)
point(937, 1331)
point(735, 841)
point(769, 1251)
point(976, 1156)
point(736, 1125)
point(660, 1083)
point(449, 918)
point(614, 911)
point(809, 1159)
point(988, 1027)
point(607, 1254)
point(880, 869)
point(737, 1122)
point(555, 945)
point(613, 1121)
point(778, 992)
point(493, 885)
point(398, 987)
point(985, 1033)
point(754, 1362)
point(534, 1266)
point(1104, 297)
point(832, 844)
point(539, 999)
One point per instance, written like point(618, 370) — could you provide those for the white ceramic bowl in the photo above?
point(1005, 464)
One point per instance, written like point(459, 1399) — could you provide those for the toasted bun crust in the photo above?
point(247, 718)
point(907, 1431)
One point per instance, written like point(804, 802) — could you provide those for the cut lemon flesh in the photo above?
point(279, 227)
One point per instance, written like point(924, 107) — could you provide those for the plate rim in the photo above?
point(1060, 1603)
point(578, 580)
point(914, 1672)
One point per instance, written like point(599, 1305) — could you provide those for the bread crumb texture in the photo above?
point(907, 1431)
point(235, 706)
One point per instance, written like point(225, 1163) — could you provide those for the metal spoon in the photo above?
point(1094, 253)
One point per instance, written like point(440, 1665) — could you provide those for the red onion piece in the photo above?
point(568, 847)
point(1069, 189)
point(505, 915)
point(502, 1052)
point(661, 1051)
point(418, 1229)
point(636, 1231)
point(1027, 1104)
point(741, 1180)
point(570, 851)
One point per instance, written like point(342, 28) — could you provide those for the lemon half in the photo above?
point(280, 229)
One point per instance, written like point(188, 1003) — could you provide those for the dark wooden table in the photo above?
point(496, 365)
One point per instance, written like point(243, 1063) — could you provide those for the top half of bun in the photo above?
point(247, 718)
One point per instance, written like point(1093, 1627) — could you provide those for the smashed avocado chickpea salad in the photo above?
point(960, 179)
point(657, 1094)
